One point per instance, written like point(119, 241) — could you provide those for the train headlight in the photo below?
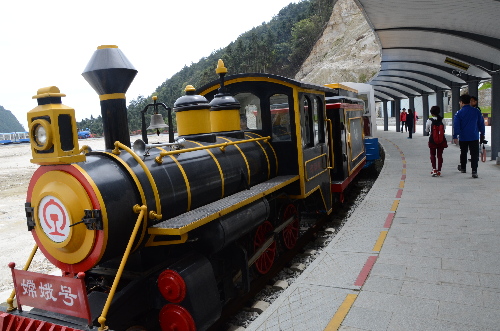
point(41, 135)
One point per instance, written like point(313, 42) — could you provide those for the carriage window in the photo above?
point(307, 122)
point(280, 117)
point(250, 113)
point(319, 129)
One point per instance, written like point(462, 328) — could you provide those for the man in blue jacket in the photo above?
point(468, 127)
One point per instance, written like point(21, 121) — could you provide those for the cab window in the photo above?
point(306, 114)
point(319, 129)
point(280, 117)
point(250, 112)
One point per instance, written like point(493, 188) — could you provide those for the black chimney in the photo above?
point(110, 74)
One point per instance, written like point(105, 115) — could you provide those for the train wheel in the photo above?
point(174, 317)
point(265, 262)
point(290, 234)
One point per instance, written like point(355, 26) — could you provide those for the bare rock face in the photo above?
point(348, 50)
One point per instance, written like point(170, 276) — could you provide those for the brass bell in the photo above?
point(157, 122)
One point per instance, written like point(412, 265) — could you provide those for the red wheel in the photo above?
point(265, 262)
point(172, 286)
point(290, 234)
point(176, 318)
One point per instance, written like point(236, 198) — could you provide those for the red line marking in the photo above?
point(400, 192)
point(403, 177)
point(388, 220)
point(404, 165)
point(363, 275)
point(403, 158)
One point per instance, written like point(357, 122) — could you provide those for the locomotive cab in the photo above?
point(292, 113)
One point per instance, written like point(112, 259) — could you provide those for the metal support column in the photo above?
point(455, 105)
point(386, 117)
point(425, 111)
point(397, 106)
point(495, 115)
point(393, 106)
point(473, 88)
point(439, 100)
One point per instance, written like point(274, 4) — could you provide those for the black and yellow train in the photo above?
point(162, 236)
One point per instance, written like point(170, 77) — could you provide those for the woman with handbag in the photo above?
point(437, 141)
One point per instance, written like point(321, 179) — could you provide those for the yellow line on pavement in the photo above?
point(395, 205)
point(380, 241)
point(341, 313)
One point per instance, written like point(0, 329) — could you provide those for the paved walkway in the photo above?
point(419, 253)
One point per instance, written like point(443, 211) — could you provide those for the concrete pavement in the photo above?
point(419, 253)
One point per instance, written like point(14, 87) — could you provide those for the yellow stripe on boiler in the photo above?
point(218, 166)
point(244, 158)
point(186, 180)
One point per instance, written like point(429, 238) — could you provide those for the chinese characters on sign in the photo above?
point(62, 295)
point(45, 291)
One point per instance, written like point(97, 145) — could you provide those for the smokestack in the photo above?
point(110, 74)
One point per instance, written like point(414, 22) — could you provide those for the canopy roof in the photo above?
point(433, 45)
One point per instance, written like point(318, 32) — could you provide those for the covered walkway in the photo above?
point(436, 47)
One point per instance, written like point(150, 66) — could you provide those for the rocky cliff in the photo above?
point(347, 51)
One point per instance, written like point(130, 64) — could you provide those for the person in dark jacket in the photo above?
point(473, 102)
point(468, 126)
point(410, 122)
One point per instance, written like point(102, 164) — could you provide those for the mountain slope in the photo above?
point(346, 52)
point(8, 122)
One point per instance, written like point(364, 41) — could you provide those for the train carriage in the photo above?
point(5, 138)
point(345, 112)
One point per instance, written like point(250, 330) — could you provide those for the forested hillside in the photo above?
point(279, 47)
point(8, 122)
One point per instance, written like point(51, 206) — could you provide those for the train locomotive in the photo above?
point(163, 236)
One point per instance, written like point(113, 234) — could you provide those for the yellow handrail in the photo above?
point(142, 215)
point(10, 300)
point(159, 159)
point(116, 151)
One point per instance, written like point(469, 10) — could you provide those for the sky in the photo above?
point(50, 43)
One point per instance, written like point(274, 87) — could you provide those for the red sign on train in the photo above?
point(62, 295)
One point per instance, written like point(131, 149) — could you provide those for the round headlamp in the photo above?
point(41, 134)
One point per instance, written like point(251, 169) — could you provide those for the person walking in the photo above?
point(473, 102)
point(415, 119)
point(410, 122)
point(402, 119)
point(468, 127)
point(437, 142)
